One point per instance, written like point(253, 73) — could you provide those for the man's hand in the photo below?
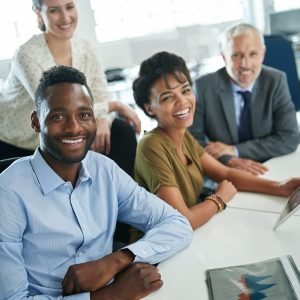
point(136, 282)
point(102, 140)
point(218, 149)
point(248, 165)
point(90, 276)
point(127, 113)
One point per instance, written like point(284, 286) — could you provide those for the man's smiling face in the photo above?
point(67, 124)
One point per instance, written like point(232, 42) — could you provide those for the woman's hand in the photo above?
point(226, 190)
point(102, 140)
point(127, 113)
point(287, 187)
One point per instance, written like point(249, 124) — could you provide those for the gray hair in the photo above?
point(237, 30)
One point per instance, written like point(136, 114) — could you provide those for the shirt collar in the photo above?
point(236, 88)
point(48, 179)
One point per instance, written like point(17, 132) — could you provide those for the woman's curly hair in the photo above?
point(160, 65)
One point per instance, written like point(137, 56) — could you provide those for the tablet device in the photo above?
point(291, 207)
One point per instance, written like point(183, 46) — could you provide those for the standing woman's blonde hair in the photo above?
point(37, 7)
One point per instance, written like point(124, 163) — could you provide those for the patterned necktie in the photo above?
point(244, 130)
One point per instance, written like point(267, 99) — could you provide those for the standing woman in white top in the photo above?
point(58, 46)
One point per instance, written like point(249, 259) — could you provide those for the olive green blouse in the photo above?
point(158, 164)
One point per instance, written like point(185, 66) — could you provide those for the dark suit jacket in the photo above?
point(274, 124)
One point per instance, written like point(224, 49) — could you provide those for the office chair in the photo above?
point(280, 55)
point(4, 163)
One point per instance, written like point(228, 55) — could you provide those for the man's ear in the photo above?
point(264, 53)
point(148, 109)
point(35, 123)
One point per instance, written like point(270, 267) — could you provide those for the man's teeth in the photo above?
point(182, 112)
point(245, 71)
point(72, 141)
point(65, 26)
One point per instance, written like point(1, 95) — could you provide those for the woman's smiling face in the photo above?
point(60, 17)
point(172, 102)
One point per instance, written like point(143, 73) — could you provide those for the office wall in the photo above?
point(194, 43)
point(4, 68)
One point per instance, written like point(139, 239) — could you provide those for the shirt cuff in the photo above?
point(81, 296)
point(224, 159)
point(141, 250)
point(236, 151)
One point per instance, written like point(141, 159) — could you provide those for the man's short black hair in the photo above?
point(56, 75)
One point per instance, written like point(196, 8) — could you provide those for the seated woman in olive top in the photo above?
point(169, 161)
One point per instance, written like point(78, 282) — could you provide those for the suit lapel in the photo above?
point(227, 103)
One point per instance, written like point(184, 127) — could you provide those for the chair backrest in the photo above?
point(280, 55)
point(4, 163)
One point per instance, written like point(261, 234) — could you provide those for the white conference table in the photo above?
point(241, 234)
point(233, 237)
point(280, 168)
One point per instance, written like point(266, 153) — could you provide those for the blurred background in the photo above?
point(128, 31)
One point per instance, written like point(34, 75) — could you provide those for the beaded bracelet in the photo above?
point(213, 199)
point(221, 201)
point(217, 200)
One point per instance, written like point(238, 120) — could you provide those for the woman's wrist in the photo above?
point(114, 106)
point(221, 205)
point(220, 199)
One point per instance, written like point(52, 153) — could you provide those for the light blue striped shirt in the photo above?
point(46, 225)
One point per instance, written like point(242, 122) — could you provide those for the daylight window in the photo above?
point(18, 24)
point(123, 19)
point(280, 5)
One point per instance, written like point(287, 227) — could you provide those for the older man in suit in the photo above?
point(244, 113)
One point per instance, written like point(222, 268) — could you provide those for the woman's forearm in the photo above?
point(244, 181)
